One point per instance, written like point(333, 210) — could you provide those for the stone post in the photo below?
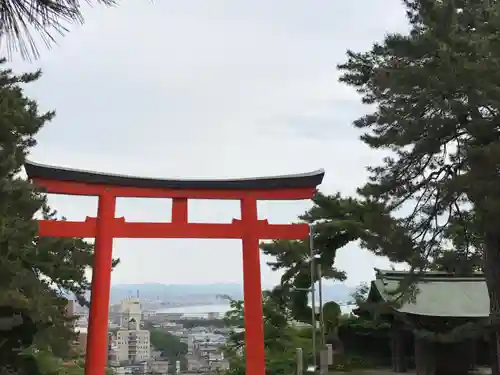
point(300, 362)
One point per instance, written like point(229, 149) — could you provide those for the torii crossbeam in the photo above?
point(105, 227)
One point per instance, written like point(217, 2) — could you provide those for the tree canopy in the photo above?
point(336, 222)
point(215, 323)
point(436, 99)
point(35, 272)
point(170, 346)
point(433, 201)
point(280, 338)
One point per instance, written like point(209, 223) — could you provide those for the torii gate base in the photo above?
point(105, 227)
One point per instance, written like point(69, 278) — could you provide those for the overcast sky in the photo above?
point(211, 88)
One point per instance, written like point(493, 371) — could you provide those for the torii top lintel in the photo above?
point(106, 227)
point(59, 180)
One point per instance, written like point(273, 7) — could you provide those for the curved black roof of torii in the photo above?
point(47, 172)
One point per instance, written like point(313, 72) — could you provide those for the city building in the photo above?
point(158, 366)
point(214, 315)
point(131, 369)
point(205, 350)
point(169, 326)
point(148, 313)
point(130, 309)
point(132, 342)
point(162, 317)
point(133, 345)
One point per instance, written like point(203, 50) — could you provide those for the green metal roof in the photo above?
point(437, 294)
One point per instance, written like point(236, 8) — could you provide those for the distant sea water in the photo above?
point(197, 309)
point(203, 310)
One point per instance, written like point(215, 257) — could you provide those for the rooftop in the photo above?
point(436, 294)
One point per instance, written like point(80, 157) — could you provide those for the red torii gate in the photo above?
point(105, 227)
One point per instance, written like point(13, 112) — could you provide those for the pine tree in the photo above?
point(19, 19)
point(437, 96)
point(33, 270)
point(463, 253)
point(336, 222)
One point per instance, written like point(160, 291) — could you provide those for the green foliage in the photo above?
point(48, 364)
point(437, 100)
point(170, 346)
point(360, 295)
point(19, 20)
point(331, 315)
point(280, 338)
point(337, 222)
point(436, 96)
point(41, 362)
point(361, 323)
point(33, 270)
point(464, 255)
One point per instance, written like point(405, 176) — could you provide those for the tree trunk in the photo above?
point(398, 352)
point(493, 346)
point(425, 357)
point(491, 266)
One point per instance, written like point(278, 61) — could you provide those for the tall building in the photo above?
point(132, 342)
point(130, 309)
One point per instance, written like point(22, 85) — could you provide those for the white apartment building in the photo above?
point(132, 342)
point(130, 308)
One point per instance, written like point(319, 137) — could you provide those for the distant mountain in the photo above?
point(176, 292)
point(204, 293)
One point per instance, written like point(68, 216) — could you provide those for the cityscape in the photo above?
point(197, 322)
point(131, 350)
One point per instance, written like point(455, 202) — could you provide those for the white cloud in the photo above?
point(209, 89)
